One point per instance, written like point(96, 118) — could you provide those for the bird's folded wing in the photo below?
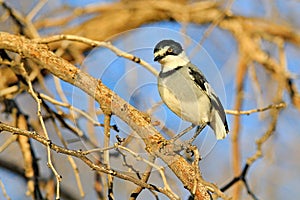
point(200, 80)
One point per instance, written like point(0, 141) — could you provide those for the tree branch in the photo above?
point(79, 154)
point(108, 101)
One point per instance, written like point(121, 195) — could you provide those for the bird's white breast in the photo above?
point(184, 98)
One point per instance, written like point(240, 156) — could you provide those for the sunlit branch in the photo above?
point(248, 112)
point(95, 43)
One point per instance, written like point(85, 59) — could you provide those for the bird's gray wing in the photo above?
point(200, 81)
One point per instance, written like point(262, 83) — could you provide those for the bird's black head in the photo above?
point(166, 47)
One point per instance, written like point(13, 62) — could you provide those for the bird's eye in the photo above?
point(170, 50)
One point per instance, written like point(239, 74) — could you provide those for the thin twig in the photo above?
point(107, 118)
point(95, 43)
point(131, 167)
point(59, 89)
point(135, 193)
point(160, 169)
point(157, 122)
point(210, 186)
point(98, 185)
point(258, 154)
point(39, 113)
point(77, 175)
point(248, 112)
point(256, 85)
point(4, 190)
point(213, 25)
point(57, 82)
point(70, 158)
point(98, 167)
point(242, 177)
point(81, 112)
point(9, 90)
point(26, 26)
point(38, 6)
point(101, 150)
point(7, 142)
point(264, 138)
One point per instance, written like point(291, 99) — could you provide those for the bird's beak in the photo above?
point(157, 58)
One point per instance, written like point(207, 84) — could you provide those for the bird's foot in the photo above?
point(189, 148)
point(178, 146)
point(171, 146)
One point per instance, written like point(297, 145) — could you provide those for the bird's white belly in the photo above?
point(186, 104)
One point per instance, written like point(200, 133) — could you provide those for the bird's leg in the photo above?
point(176, 137)
point(189, 144)
point(198, 131)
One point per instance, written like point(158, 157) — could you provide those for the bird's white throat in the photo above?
point(170, 62)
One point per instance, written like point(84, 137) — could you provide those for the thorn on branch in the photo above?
point(49, 143)
point(120, 140)
point(136, 59)
point(290, 84)
point(115, 128)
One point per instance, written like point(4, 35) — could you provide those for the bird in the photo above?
point(185, 90)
